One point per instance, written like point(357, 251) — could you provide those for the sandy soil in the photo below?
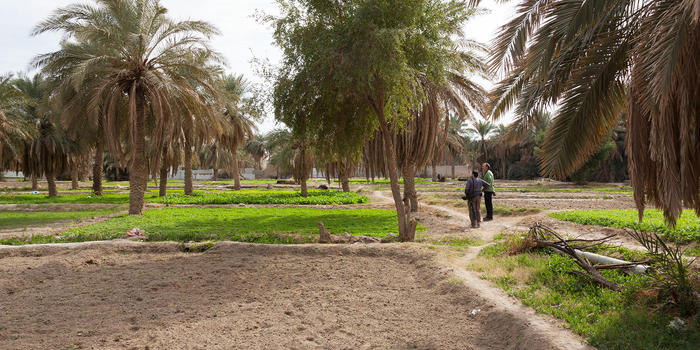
point(554, 200)
point(118, 295)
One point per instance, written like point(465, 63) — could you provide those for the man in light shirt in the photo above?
point(489, 192)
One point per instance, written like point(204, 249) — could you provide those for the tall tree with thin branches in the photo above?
point(367, 54)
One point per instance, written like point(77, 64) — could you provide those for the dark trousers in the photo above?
point(488, 200)
point(475, 210)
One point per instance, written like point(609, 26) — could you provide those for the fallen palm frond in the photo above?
point(541, 236)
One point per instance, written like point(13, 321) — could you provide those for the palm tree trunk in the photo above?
point(163, 185)
point(405, 232)
point(409, 186)
point(188, 162)
point(434, 174)
point(216, 170)
point(51, 179)
point(97, 165)
point(74, 176)
point(236, 173)
point(503, 160)
point(453, 168)
point(138, 169)
point(35, 183)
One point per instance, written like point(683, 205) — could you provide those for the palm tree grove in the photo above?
point(350, 174)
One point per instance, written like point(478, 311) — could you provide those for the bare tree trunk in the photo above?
point(346, 183)
point(74, 176)
point(304, 188)
point(344, 175)
point(402, 217)
point(138, 169)
point(97, 166)
point(188, 160)
point(409, 186)
point(236, 172)
point(434, 175)
point(35, 183)
point(51, 179)
point(328, 174)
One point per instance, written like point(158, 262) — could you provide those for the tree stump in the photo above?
point(325, 237)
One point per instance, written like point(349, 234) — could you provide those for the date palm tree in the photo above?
point(482, 129)
point(257, 147)
point(596, 59)
point(140, 58)
point(47, 154)
point(238, 112)
point(15, 129)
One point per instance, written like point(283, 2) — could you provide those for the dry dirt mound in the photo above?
point(129, 295)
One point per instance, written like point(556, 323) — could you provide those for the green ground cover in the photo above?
point(18, 219)
point(607, 319)
point(107, 198)
point(258, 225)
point(687, 228)
point(252, 196)
point(265, 197)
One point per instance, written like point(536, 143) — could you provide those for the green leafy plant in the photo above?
point(276, 197)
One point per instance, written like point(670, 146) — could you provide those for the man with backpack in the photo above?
point(472, 193)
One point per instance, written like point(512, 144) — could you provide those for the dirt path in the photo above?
point(497, 298)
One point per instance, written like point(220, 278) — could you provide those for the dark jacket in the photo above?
point(474, 187)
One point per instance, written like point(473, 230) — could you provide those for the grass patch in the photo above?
point(607, 319)
point(265, 197)
point(255, 225)
point(617, 190)
point(687, 228)
point(458, 242)
point(17, 219)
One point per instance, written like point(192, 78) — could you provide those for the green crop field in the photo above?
point(687, 228)
point(265, 197)
point(174, 197)
point(259, 225)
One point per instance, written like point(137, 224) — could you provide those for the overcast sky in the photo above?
point(242, 39)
